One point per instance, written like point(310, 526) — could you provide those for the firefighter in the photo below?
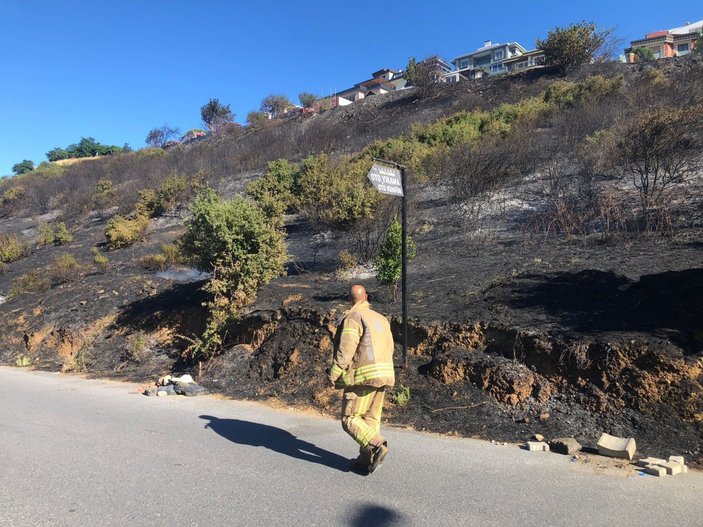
point(363, 366)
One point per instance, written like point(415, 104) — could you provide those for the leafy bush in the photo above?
point(274, 191)
point(568, 94)
point(456, 129)
point(401, 395)
point(408, 152)
point(48, 170)
point(46, 235)
point(388, 262)
point(346, 261)
point(100, 260)
point(154, 262)
point(62, 236)
point(123, 232)
point(171, 253)
point(234, 241)
point(173, 190)
point(11, 199)
point(32, 282)
point(103, 186)
point(336, 195)
point(12, 248)
point(65, 268)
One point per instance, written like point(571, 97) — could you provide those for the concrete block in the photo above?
point(650, 461)
point(565, 445)
point(677, 459)
point(655, 470)
point(622, 447)
point(672, 468)
point(537, 446)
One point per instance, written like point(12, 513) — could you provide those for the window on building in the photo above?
point(499, 55)
point(657, 52)
point(682, 49)
point(464, 64)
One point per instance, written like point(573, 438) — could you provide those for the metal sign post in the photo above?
point(391, 181)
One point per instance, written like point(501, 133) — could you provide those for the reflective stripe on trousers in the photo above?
point(361, 413)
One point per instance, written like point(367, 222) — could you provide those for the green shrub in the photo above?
point(146, 204)
point(62, 236)
point(505, 116)
point(100, 260)
point(154, 262)
point(233, 240)
point(450, 131)
point(388, 262)
point(32, 282)
point(401, 395)
point(137, 344)
point(171, 252)
point(565, 94)
point(123, 232)
point(274, 192)
point(12, 248)
point(150, 152)
point(65, 268)
point(411, 153)
point(103, 186)
point(346, 261)
point(338, 195)
point(13, 194)
point(173, 190)
point(48, 170)
point(45, 234)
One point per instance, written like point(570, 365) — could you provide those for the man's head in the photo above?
point(357, 294)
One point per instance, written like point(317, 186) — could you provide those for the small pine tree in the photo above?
point(389, 261)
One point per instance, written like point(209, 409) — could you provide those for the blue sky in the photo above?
point(114, 70)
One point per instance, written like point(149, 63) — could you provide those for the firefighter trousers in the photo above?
point(361, 414)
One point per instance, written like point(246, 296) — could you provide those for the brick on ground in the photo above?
point(650, 461)
point(672, 468)
point(537, 446)
point(655, 470)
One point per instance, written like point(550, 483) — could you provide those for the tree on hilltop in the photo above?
point(23, 167)
point(307, 99)
point(158, 137)
point(214, 114)
point(566, 48)
point(276, 104)
point(256, 118)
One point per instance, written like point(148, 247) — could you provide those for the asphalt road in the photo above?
point(94, 452)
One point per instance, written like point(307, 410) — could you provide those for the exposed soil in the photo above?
point(509, 335)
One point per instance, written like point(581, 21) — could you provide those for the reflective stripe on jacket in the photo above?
point(363, 352)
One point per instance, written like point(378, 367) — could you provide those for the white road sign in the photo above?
point(386, 180)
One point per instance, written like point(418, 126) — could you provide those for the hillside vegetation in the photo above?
point(558, 226)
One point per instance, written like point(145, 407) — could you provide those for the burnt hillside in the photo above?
point(550, 293)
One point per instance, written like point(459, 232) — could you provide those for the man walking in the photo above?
point(363, 366)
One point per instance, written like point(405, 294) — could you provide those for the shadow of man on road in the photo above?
point(281, 441)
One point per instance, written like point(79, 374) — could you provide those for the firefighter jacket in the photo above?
point(363, 351)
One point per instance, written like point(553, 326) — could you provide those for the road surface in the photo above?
point(94, 452)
